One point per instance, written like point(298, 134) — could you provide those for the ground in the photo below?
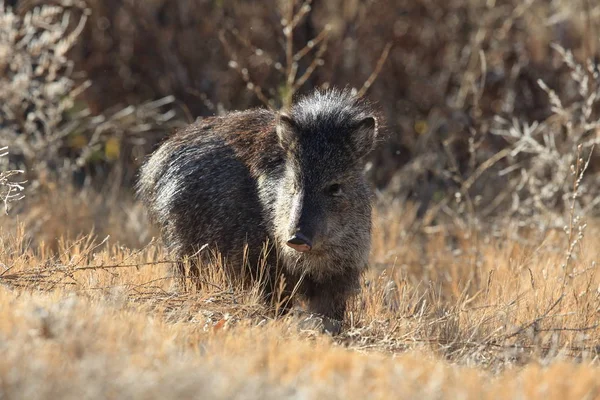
point(443, 313)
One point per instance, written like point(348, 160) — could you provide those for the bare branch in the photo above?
point(382, 58)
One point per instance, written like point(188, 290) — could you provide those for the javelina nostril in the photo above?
point(299, 242)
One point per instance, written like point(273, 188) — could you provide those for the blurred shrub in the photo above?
point(10, 190)
point(50, 131)
point(460, 87)
point(549, 159)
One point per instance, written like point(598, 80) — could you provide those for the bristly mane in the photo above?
point(252, 135)
point(328, 110)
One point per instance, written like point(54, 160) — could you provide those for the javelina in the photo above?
point(294, 179)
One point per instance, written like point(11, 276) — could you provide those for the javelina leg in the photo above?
point(328, 309)
point(180, 276)
point(195, 273)
point(278, 292)
point(328, 300)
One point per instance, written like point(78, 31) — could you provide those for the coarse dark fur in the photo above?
point(249, 177)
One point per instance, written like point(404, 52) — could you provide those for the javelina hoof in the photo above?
point(322, 324)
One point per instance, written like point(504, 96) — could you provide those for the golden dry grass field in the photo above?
point(444, 313)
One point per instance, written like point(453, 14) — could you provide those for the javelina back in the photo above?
point(294, 179)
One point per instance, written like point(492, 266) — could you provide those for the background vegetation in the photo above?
point(483, 273)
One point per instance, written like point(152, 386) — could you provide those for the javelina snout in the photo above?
point(303, 223)
point(293, 180)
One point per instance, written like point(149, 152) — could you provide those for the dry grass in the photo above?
point(443, 312)
point(78, 347)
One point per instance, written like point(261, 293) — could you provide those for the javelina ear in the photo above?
point(286, 131)
point(363, 136)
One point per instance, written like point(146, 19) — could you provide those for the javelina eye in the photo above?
point(334, 189)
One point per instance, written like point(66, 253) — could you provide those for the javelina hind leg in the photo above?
point(194, 273)
point(180, 277)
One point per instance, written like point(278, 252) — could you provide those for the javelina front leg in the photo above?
point(327, 301)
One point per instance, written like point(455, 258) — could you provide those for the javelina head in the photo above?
point(323, 205)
